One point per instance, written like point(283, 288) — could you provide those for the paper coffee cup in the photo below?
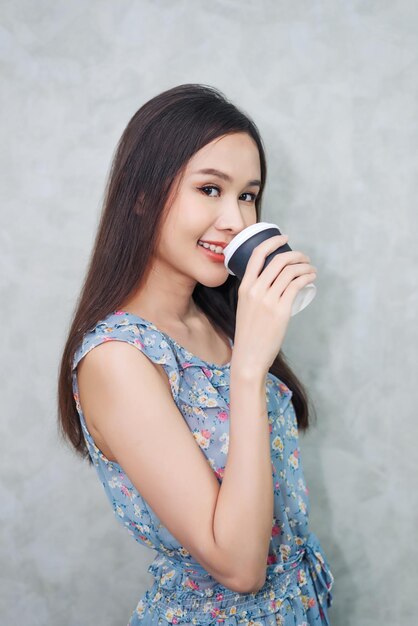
point(238, 252)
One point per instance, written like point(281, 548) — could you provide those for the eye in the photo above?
point(253, 195)
point(206, 187)
point(203, 189)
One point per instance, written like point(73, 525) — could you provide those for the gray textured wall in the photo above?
point(333, 87)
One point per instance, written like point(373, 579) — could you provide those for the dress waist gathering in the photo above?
point(178, 596)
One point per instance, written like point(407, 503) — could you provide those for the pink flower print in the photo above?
point(139, 343)
point(124, 489)
point(223, 416)
point(215, 611)
point(202, 437)
point(192, 584)
point(275, 530)
point(219, 597)
point(208, 372)
point(293, 459)
point(119, 312)
point(272, 558)
point(220, 472)
point(311, 602)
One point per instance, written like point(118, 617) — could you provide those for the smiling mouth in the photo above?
point(218, 251)
point(215, 256)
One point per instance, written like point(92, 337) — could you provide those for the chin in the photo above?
point(214, 282)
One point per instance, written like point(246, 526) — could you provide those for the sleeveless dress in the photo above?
point(299, 579)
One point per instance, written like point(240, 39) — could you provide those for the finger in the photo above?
point(258, 257)
point(291, 259)
point(289, 294)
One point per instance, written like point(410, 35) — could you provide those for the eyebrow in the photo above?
point(226, 177)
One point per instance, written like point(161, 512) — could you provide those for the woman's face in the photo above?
point(210, 208)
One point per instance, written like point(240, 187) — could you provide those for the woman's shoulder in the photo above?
point(141, 333)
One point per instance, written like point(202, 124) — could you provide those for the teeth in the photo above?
point(217, 249)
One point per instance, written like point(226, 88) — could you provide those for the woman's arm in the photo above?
point(225, 528)
point(243, 516)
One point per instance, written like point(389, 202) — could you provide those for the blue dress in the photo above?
point(299, 579)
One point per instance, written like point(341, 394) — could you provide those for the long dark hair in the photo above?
point(146, 170)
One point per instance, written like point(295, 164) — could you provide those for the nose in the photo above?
point(231, 217)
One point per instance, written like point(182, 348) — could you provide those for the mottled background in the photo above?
point(333, 87)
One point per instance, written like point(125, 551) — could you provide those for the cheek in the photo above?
point(188, 220)
point(176, 243)
point(251, 219)
point(189, 227)
point(191, 217)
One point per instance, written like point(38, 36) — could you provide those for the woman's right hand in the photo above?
point(264, 304)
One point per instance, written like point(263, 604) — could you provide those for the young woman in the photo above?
point(172, 381)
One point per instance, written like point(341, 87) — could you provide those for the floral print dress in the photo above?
point(298, 583)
